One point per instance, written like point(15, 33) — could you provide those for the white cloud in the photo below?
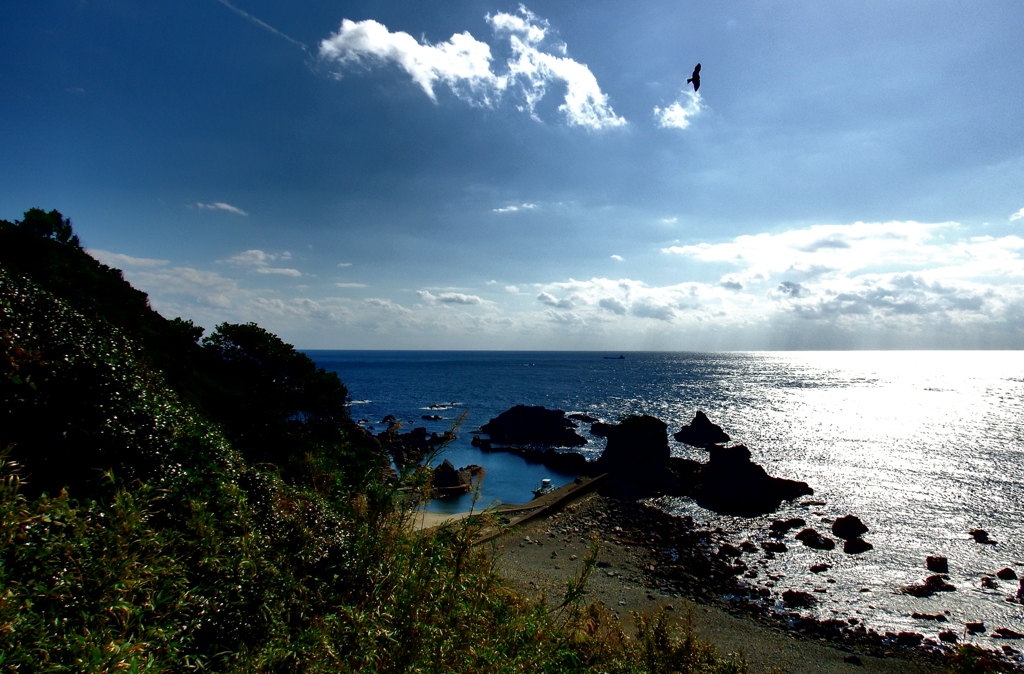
point(349, 285)
point(259, 262)
point(344, 264)
point(677, 115)
point(221, 206)
point(514, 208)
point(120, 261)
point(463, 64)
point(1019, 215)
point(618, 258)
point(551, 300)
point(512, 289)
point(449, 298)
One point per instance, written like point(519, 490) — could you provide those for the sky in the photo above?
point(491, 175)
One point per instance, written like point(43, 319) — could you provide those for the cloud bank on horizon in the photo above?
point(894, 284)
point(463, 64)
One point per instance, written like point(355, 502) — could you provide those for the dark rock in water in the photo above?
point(937, 617)
point(931, 585)
point(447, 480)
point(937, 564)
point(637, 450)
point(529, 425)
point(773, 546)
point(849, 526)
point(974, 627)
point(701, 432)
point(813, 539)
point(782, 526)
point(989, 583)
point(818, 568)
point(981, 536)
point(948, 636)
point(731, 484)
point(909, 638)
point(431, 417)
point(1006, 633)
point(798, 598)
point(855, 546)
point(1006, 573)
point(579, 416)
point(600, 429)
point(729, 550)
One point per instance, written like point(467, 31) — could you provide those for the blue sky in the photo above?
point(539, 176)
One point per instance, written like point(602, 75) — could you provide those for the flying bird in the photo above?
point(696, 78)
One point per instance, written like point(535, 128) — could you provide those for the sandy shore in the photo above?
point(540, 556)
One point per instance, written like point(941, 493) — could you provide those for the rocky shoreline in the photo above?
point(670, 561)
point(684, 560)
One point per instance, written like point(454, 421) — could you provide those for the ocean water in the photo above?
point(923, 446)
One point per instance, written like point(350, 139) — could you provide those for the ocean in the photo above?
point(923, 446)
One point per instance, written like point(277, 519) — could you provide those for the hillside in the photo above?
point(173, 502)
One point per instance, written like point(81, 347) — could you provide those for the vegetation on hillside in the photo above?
point(174, 502)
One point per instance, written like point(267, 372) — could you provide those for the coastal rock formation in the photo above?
point(637, 449)
point(701, 432)
point(981, 536)
point(1006, 573)
point(449, 481)
point(855, 546)
point(533, 425)
point(813, 539)
point(931, 585)
point(937, 564)
point(849, 527)
point(570, 463)
point(730, 483)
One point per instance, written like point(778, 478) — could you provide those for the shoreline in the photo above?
point(648, 559)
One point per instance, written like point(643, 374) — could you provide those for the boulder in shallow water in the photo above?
point(813, 539)
point(849, 526)
point(1006, 573)
point(855, 546)
point(937, 564)
point(701, 432)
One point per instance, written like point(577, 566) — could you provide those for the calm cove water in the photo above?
point(923, 446)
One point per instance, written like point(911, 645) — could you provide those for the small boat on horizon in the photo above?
point(618, 357)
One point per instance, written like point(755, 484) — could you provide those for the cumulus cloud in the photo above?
point(551, 300)
point(220, 206)
point(618, 258)
point(463, 65)
point(260, 262)
point(512, 289)
point(514, 208)
point(449, 298)
point(1019, 215)
point(679, 114)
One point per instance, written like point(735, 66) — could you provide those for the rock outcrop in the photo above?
point(730, 483)
point(533, 425)
point(449, 481)
point(701, 432)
